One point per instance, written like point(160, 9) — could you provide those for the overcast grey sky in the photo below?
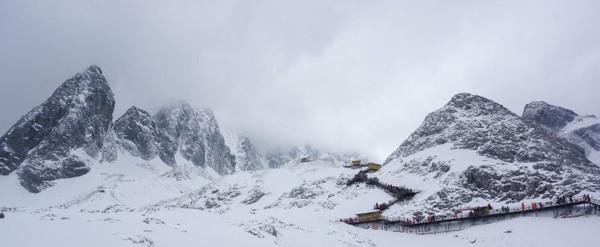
point(343, 75)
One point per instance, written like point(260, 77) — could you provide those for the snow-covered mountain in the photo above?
point(137, 133)
point(195, 136)
point(279, 157)
point(73, 130)
point(583, 131)
point(470, 152)
point(474, 150)
point(55, 139)
point(247, 158)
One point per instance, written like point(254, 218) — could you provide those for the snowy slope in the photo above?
point(299, 205)
point(584, 131)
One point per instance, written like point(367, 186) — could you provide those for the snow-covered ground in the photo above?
point(136, 203)
point(186, 227)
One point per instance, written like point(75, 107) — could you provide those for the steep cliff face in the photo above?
point(475, 148)
point(137, 132)
point(195, 135)
point(247, 157)
point(553, 118)
point(583, 131)
point(41, 145)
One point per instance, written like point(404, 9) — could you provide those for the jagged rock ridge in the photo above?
point(73, 129)
point(247, 158)
point(195, 135)
point(76, 117)
point(137, 132)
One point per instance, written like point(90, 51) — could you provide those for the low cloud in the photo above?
point(341, 75)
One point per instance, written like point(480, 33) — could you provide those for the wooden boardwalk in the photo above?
point(456, 222)
point(399, 193)
point(548, 206)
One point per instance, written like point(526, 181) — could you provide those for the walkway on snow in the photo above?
point(450, 222)
point(399, 193)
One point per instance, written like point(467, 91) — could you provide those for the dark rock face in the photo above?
point(246, 156)
point(590, 135)
point(40, 144)
point(476, 123)
point(137, 132)
point(519, 160)
point(196, 136)
point(553, 118)
point(583, 131)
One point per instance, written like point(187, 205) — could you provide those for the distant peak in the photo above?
point(469, 101)
point(540, 107)
point(551, 117)
point(94, 69)
point(460, 97)
point(535, 105)
point(183, 107)
point(538, 103)
point(135, 110)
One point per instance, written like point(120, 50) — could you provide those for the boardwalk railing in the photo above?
point(525, 208)
point(428, 225)
point(399, 193)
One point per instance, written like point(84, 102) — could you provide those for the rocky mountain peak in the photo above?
point(583, 131)
point(94, 69)
point(551, 117)
point(76, 116)
point(138, 133)
point(196, 136)
point(476, 123)
point(475, 105)
point(474, 147)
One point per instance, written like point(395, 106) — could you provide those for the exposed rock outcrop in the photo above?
point(52, 140)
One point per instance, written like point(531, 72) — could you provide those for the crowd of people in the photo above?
point(348, 220)
point(477, 211)
point(563, 199)
point(382, 206)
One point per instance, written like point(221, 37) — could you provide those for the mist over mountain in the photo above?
point(72, 132)
point(69, 157)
